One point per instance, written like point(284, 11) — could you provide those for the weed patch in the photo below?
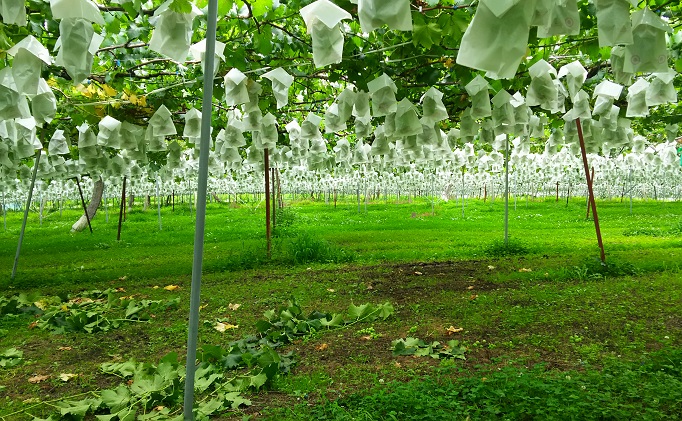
point(499, 248)
point(308, 249)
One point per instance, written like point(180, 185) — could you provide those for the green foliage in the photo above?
point(308, 249)
point(11, 357)
point(651, 389)
point(419, 348)
point(154, 392)
point(288, 322)
point(498, 248)
point(90, 311)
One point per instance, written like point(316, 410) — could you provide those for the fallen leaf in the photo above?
point(331, 290)
point(222, 327)
point(120, 290)
point(33, 325)
point(370, 287)
point(203, 306)
point(491, 267)
point(453, 329)
point(233, 307)
point(123, 278)
point(473, 297)
point(418, 273)
point(366, 338)
point(155, 287)
point(65, 377)
point(397, 364)
point(37, 379)
point(64, 348)
point(470, 287)
point(322, 347)
point(171, 287)
point(525, 270)
point(159, 408)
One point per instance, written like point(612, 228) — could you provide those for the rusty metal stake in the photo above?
point(85, 209)
point(591, 192)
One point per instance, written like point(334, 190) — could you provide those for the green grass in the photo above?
point(539, 317)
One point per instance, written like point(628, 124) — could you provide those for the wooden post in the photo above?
point(268, 234)
point(85, 209)
point(591, 192)
point(120, 213)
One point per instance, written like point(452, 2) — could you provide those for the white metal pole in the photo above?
point(195, 296)
point(506, 190)
point(158, 202)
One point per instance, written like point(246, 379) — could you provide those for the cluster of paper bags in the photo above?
point(495, 42)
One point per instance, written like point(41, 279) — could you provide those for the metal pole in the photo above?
point(23, 224)
point(632, 187)
point(195, 297)
point(120, 213)
point(506, 190)
point(4, 211)
point(274, 199)
point(268, 233)
point(463, 192)
point(158, 204)
point(106, 205)
point(591, 193)
point(85, 209)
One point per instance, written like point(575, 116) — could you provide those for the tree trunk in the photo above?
point(95, 200)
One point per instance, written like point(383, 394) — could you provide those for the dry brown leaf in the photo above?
point(33, 325)
point(155, 287)
point(397, 364)
point(64, 348)
point(331, 290)
point(470, 287)
point(418, 273)
point(366, 338)
point(525, 270)
point(370, 287)
point(233, 307)
point(473, 296)
point(159, 408)
point(65, 377)
point(203, 306)
point(171, 287)
point(322, 347)
point(120, 289)
point(123, 278)
point(453, 329)
point(37, 379)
